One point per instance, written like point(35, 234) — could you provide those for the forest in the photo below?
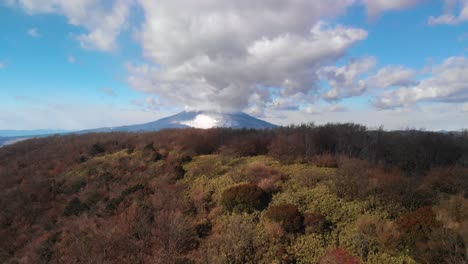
point(330, 194)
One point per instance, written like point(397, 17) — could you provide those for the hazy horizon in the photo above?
point(74, 65)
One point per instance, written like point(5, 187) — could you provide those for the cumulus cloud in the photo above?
point(358, 76)
point(226, 55)
point(376, 7)
point(33, 32)
point(448, 82)
point(455, 12)
point(392, 76)
point(344, 81)
point(103, 21)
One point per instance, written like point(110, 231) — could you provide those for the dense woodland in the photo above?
point(338, 193)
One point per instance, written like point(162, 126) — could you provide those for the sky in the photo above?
point(80, 64)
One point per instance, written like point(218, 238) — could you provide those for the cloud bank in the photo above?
point(448, 83)
point(359, 75)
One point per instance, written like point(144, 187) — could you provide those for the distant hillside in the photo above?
point(11, 140)
point(3, 141)
point(25, 133)
point(8, 137)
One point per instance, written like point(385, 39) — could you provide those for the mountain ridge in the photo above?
point(194, 119)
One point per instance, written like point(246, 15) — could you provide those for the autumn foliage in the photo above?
point(339, 256)
point(288, 216)
point(337, 193)
point(244, 198)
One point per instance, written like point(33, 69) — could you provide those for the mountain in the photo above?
point(27, 133)
point(8, 137)
point(3, 141)
point(195, 119)
point(11, 140)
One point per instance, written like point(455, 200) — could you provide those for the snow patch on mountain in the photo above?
point(202, 121)
point(206, 120)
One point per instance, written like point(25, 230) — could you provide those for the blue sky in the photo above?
point(85, 64)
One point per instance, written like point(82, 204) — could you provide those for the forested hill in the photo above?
point(337, 193)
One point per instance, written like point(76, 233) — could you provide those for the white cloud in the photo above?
point(357, 77)
point(391, 76)
point(455, 12)
point(376, 7)
point(104, 20)
point(71, 59)
point(33, 32)
point(448, 82)
point(344, 81)
point(2, 65)
point(442, 116)
point(103, 37)
point(221, 55)
point(311, 109)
